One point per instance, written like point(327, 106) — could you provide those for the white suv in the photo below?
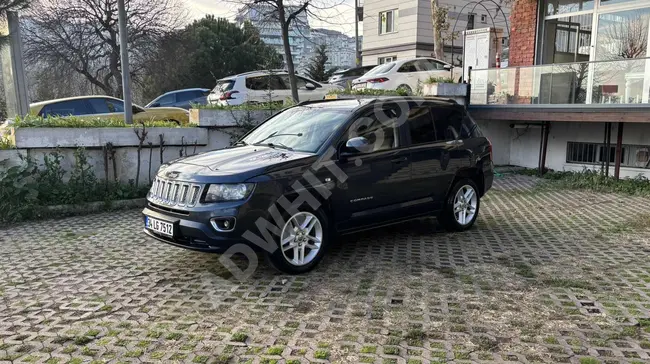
point(405, 74)
point(265, 86)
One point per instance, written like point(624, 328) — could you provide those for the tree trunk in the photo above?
point(438, 46)
point(287, 54)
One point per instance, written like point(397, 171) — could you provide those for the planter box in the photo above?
point(455, 91)
point(227, 118)
point(98, 137)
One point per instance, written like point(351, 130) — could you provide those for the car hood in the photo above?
point(232, 165)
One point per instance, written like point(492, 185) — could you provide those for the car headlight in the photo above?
point(228, 192)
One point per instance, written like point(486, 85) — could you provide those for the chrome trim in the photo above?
point(214, 225)
point(174, 193)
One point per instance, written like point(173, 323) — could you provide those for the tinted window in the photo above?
point(265, 82)
point(115, 105)
point(167, 99)
point(65, 108)
point(421, 126)
point(425, 65)
point(408, 67)
point(99, 105)
point(469, 128)
point(380, 130)
point(188, 95)
point(448, 122)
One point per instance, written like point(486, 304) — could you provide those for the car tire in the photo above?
point(284, 258)
point(406, 88)
point(461, 206)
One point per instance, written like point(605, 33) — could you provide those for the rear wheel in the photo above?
point(302, 242)
point(405, 88)
point(461, 206)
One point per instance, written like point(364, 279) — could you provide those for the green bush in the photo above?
point(432, 79)
point(25, 188)
point(369, 92)
point(6, 143)
point(593, 180)
point(248, 106)
point(31, 121)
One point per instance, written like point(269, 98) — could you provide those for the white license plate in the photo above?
point(359, 86)
point(160, 227)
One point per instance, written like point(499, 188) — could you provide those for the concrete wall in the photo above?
point(520, 147)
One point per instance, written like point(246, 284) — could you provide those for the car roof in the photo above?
point(185, 90)
point(254, 73)
point(48, 102)
point(352, 104)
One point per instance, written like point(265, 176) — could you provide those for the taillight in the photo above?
point(228, 95)
point(377, 80)
point(490, 149)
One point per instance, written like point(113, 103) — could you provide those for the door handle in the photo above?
point(399, 160)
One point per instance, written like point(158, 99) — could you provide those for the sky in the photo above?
point(339, 17)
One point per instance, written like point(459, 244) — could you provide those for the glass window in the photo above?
point(554, 7)
point(388, 21)
point(257, 83)
point(408, 67)
point(188, 95)
point(379, 128)
point(383, 60)
point(421, 126)
point(224, 86)
point(380, 69)
point(470, 21)
point(301, 128)
point(622, 35)
point(167, 99)
point(567, 39)
point(448, 122)
point(99, 105)
point(67, 108)
point(115, 105)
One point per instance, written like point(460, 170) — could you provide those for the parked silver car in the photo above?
point(343, 77)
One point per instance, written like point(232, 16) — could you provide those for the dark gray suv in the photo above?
point(321, 169)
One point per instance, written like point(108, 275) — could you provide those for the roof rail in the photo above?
point(308, 102)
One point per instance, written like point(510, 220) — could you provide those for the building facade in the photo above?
point(576, 93)
point(340, 47)
point(397, 29)
point(263, 17)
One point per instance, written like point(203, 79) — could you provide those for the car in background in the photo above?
point(181, 98)
point(405, 74)
point(99, 106)
point(265, 86)
point(343, 77)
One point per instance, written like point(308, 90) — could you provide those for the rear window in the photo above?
point(223, 86)
point(470, 128)
point(381, 69)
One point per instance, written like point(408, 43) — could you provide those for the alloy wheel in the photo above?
point(465, 204)
point(301, 238)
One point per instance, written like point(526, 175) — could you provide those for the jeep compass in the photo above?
point(322, 169)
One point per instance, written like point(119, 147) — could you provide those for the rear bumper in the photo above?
point(488, 177)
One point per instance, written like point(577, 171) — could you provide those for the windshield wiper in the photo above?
point(275, 145)
point(277, 135)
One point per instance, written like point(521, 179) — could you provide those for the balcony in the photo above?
point(622, 86)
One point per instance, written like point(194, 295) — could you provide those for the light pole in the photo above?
point(124, 52)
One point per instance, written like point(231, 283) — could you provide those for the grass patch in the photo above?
point(391, 350)
point(322, 354)
point(568, 283)
point(369, 349)
point(239, 337)
point(524, 270)
point(589, 361)
point(276, 350)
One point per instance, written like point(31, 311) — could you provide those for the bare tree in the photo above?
point(287, 13)
point(440, 25)
point(624, 39)
point(83, 35)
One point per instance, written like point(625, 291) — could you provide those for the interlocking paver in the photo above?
point(545, 276)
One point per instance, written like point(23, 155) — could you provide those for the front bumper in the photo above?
point(193, 230)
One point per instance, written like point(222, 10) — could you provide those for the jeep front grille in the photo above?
point(174, 193)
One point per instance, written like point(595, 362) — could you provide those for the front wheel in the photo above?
point(461, 206)
point(302, 243)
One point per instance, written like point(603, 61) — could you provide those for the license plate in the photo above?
point(160, 227)
point(331, 97)
point(359, 86)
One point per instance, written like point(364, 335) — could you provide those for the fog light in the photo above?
point(223, 224)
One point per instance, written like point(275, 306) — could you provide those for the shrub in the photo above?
point(31, 121)
point(432, 79)
point(593, 180)
point(369, 92)
point(6, 143)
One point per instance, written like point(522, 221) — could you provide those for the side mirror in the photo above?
point(448, 66)
point(155, 104)
point(310, 86)
point(357, 145)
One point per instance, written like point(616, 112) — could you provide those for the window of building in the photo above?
point(554, 7)
point(483, 18)
point(388, 21)
point(470, 21)
point(388, 59)
point(635, 156)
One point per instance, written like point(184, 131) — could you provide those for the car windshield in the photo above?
point(383, 68)
point(299, 128)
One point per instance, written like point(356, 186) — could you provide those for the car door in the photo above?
point(167, 100)
point(376, 177)
point(184, 99)
point(408, 75)
point(448, 123)
point(306, 94)
point(108, 107)
point(429, 158)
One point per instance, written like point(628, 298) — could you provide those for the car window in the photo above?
point(115, 105)
point(257, 83)
point(380, 128)
point(469, 127)
point(167, 99)
point(188, 95)
point(408, 67)
point(448, 123)
point(226, 85)
point(439, 65)
point(424, 65)
point(99, 105)
point(383, 68)
point(66, 108)
point(421, 126)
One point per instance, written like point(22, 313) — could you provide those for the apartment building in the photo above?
point(340, 47)
point(395, 29)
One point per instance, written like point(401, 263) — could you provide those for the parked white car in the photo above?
point(405, 74)
point(265, 86)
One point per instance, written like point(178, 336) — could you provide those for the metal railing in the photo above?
point(617, 82)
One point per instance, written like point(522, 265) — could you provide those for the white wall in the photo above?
point(520, 147)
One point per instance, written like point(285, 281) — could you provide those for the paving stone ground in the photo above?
point(545, 276)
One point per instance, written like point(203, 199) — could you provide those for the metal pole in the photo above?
point(608, 148)
point(12, 67)
point(356, 33)
point(124, 50)
point(619, 151)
